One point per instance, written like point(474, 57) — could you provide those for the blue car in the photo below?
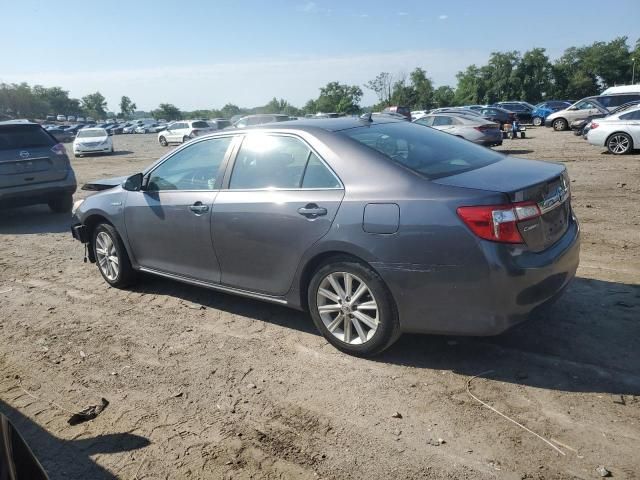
point(544, 109)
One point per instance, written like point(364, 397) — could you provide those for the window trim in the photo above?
point(232, 163)
point(221, 169)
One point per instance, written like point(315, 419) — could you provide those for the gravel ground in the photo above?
point(207, 385)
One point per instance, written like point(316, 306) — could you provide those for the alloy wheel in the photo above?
point(107, 256)
point(619, 144)
point(347, 308)
point(537, 121)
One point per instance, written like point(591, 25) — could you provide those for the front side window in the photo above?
point(270, 161)
point(429, 152)
point(585, 105)
point(195, 167)
point(199, 124)
point(426, 121)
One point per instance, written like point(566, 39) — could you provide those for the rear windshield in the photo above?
point(423, 149)
point(223, 123)
point(200, 125)
point(96, 132)
point(24, 136)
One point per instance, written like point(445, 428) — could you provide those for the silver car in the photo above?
point(34, 168)
point(476, 129)
point(375, 227)
point(581, 110)
point(619, 132)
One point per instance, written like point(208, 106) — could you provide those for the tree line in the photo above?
point(531, 76)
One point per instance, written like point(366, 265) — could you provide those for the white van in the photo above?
point(622, 89)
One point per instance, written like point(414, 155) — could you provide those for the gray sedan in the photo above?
point(376, 227)
point(476, 129)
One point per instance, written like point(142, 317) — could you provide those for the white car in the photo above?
point(61, 118)
point(92, 140)
point(183, 131)
point(130, 128)
point(416, 114)
point(619, 132)
point(145, 128)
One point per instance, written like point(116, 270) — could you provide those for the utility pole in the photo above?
point(633, 71)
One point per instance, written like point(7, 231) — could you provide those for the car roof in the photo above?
point(329, 124)
point(18, 122)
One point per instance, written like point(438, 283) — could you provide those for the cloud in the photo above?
point(251, 82)
point(308, 7)
point(364, 15)
point(402, 14)
point(443, 17)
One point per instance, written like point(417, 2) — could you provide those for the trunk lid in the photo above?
point(26, 156)
point(543, 183)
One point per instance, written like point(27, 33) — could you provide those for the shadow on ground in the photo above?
point(33, 219)
point(586, 342)
point(63, 459)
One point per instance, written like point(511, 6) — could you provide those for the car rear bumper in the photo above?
point(39, 193)
point(459, 300)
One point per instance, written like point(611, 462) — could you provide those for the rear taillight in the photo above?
point(484, 128)
point(594, 125)
point(498, 223)
point(59, 149)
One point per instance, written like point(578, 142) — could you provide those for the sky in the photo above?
point(205, 53)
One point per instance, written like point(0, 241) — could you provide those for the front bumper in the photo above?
point(548, 122)
point(86, 149)
point(458, 300)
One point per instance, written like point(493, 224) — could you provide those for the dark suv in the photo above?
point(34, 168)
point(521, 109)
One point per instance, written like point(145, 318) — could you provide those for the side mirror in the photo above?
point(134, 183)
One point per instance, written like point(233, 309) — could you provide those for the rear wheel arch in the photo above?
point(317, 262)
point(606, 142)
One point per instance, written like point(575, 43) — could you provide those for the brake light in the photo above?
point(59, 149)
point(594, 125)
point(498, 223)
point(484, 128)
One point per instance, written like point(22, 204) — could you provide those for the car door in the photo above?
point(280, 199)
point(168, 223)
point(632, 121)
point(443, 123)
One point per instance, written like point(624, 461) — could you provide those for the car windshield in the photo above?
point(422, 149)
point(200, 125)
point(94, 132)
point(24, 136)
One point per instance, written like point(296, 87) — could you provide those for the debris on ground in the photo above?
point(396, 415)
point(88, 413)
point(603, 472)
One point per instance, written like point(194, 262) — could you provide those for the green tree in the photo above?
point(610, 61)
point(535, 73)
point(471, 86)
point(339, 98)
point(229, 110)
point(382, 85)
point(167, 111)
point(127, 107)
point(95, 104)
point(444, 96)
point(423, 87)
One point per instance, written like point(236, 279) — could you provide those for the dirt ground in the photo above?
point(208, 385)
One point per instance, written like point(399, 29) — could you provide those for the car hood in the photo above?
point(104, 184)
point(90, 139)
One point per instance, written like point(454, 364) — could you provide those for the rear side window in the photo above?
point(271, 161)
point(426, 151)
point(200, 125)
point(14, 137)
point(631, 116)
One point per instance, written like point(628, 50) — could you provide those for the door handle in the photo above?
point(199, 208)
point(312, 210)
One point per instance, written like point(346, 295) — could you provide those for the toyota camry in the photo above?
point(374, 226)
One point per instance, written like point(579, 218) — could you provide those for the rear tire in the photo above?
point(361, 323)
point(61, 204)
point(537, 121)
point(560, 124)
point(619, 144)
point(111, 256)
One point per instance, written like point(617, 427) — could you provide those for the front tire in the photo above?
point(111, 256)
point(352, 307)
point(619, 144)
point(185, 139)
point(537, 121)
point(61, 204)
point(163, 141)
point(560, 124)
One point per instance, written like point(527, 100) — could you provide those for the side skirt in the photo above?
point(214, 286)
